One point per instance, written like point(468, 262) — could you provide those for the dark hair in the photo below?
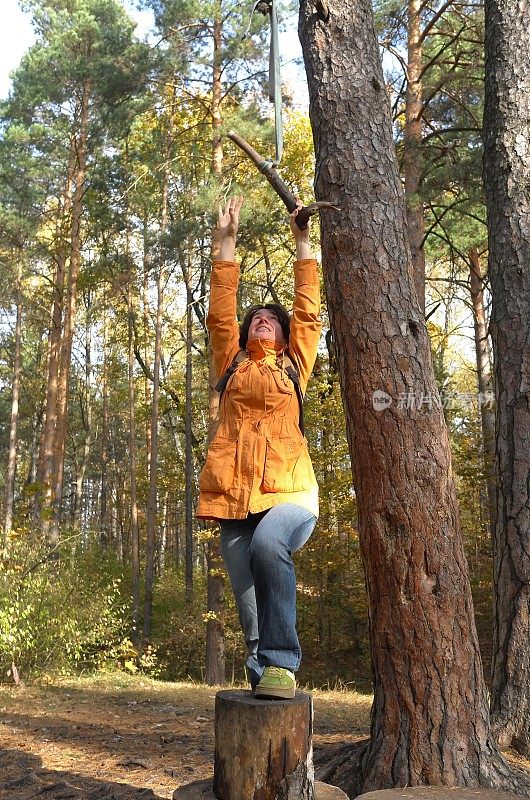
point(283, 318)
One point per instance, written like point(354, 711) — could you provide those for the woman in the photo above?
point(258, 481)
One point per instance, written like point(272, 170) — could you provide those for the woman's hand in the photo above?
point(303, 248)
point(225, 232)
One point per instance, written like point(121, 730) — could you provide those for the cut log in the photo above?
point(263, 748)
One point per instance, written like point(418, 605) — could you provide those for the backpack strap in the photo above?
point(220, 386)
point(291, 369)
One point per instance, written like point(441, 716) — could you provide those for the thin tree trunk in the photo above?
point(12, 452)
point(507, 179)
point(153, 458)
point(104, 534)
point(485, 386)
point(54, 500)
point(188, 437)
point(80, 480)
point(429, 691)
point(215, 644)
point(135, 532)
point(162, 541)
point(412, 155)
point(145, 325)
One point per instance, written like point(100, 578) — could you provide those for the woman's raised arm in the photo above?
point(305, 324)
point(221, 319)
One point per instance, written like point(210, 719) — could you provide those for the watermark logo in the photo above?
point(452, 401)
point(381, 400)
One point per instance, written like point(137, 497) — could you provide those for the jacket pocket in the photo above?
point(218, 473)
point(284, 466)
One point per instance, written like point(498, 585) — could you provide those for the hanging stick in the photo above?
point(288, 198)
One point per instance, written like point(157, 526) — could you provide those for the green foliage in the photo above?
point(59, 613)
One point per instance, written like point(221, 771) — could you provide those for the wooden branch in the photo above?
point(288, 198)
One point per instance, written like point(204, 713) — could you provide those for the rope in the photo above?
point(275, 82)
point(268, 8)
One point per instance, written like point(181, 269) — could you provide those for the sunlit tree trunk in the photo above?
point(12, 450)
point(153, 461)
point(54, 500)
point(47, 443)
point(104, 523)
point(146, 328)
point(507, 182)
point(87, 413)
point(430, 719)
point(215, 649)
point(188, 438)
point(412, 154)
point(135, 531)
point(151, 526)
point(485, 386)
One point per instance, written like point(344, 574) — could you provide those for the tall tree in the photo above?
point(507, 178)
point(485, 386)
point(434, 94)
point(12, 452)
point(84, 65)
point(429, 690)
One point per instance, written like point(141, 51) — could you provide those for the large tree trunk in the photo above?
point(412, 154)
point(485, 387)
point(507, 178)
point(12, 451)
point(430, 720)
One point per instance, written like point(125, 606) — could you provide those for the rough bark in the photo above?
point(12, 450)
point(485, 385)
point(263, 749)
point(430, 721)
point(412, 151)
point(507, 178)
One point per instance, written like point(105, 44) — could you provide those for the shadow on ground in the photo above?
point(23, 777)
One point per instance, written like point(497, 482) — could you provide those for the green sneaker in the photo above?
point(276, 682)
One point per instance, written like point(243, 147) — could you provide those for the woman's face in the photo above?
point(266, 325)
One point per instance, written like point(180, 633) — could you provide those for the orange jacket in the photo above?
point(258, 457)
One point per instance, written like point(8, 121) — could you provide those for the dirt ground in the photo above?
point(120, 737)
point(117, 737)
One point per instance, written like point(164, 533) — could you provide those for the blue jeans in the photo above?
point(257, 555)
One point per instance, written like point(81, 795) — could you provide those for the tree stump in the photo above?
point(263, 748)
point(437, 793)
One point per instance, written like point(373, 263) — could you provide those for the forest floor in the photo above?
point(120, 737)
